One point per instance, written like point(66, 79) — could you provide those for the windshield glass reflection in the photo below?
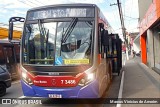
point(58, 43)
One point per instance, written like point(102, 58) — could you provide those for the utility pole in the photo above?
point(123, 27)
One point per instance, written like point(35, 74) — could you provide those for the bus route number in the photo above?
point(68, 81)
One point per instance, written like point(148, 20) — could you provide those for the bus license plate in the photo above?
point(55, 96)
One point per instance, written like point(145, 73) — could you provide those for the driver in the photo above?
point(73, 43)
point(71, 50)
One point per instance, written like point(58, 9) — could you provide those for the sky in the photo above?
point(10, 8)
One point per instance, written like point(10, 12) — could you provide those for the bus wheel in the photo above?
point(2, 89)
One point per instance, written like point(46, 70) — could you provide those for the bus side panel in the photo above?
point(103, 76)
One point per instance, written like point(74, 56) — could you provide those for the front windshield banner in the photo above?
point(60, 12)
point(58, 43)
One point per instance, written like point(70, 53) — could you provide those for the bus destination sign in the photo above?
point(60, 12)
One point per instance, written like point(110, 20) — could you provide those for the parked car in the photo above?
point(5, 80)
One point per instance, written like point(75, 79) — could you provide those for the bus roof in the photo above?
point(65, 5)
point(72, 5)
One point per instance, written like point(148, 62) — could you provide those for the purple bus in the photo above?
point(64, 52)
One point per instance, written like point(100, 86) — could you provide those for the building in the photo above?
point(136, 44)
point(149, 14)
point(131, 43)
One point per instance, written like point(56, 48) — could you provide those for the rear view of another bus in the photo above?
point(9, 56)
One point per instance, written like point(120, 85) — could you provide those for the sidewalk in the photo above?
point(140, 82)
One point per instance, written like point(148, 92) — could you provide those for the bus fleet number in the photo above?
point(68, 81)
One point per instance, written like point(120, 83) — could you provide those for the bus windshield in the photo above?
point(58, 43)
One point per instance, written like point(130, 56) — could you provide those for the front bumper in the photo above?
point(89, 91)
point(8, 83)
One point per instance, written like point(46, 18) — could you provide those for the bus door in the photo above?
point(114, 51)
point(10, 60)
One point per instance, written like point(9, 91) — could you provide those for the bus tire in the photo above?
point(2, 89)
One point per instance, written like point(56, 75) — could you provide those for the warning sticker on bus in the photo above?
point(76, 61)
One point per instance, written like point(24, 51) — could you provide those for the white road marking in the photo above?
point(121, 89)
point(124, 63)
point(121, 85)
point(22, 97)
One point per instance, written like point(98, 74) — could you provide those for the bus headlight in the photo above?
point(90, 76)
point(24, 75)
point(26, 78)
point(87, 79)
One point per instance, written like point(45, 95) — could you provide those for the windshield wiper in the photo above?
point(69, 30)
point(41, 28)
point(47, 34)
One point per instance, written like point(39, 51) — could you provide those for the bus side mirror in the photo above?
point(11, 21)
point(10, 31)
point(105, 38)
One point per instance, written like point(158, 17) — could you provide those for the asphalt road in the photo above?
point(15, 91)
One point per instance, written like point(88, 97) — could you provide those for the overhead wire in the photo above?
point(39, 2)
point(32, 2)
point(131, 17)
point(25, 3)
point(12, 10)
point(5, 7)
point(131, 7)
point(115, 15)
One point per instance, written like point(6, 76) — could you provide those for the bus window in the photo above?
point(2, 58)
point(9, 55)
point(10, 59)
point(72, 43)
point(101, 47)
point(39, 43)
point(78, 42)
